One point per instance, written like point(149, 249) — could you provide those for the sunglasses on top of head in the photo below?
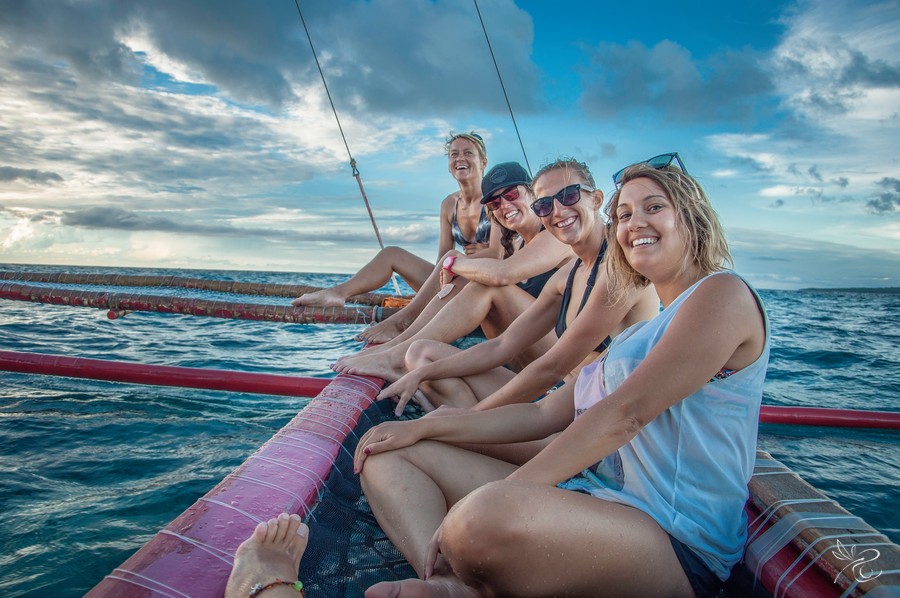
point(510, 194)
point(657, 162)
point(567, 196)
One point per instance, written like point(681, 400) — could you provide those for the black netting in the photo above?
point(347, 550)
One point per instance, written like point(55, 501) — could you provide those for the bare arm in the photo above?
point(446, 242)
point(719, 325)
point(599, 319)
point(492, 249)
point(512, 423)
point(543, 253)
point(525, 330)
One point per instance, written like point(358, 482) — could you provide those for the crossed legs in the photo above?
point(423, 307)
point(512, 538)
point(411, 489)
point(494, 308)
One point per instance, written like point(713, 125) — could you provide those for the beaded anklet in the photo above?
point(258, 588)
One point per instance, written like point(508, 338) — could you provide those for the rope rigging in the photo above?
point(355, 170)
point(502, 86)
point(353, 166)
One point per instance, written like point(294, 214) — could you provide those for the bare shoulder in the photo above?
point(449, 202)
point(557, 283)
point(725, 305)
point(726, 299)
point(725, 287)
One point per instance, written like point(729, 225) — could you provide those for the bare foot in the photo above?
point(340, 364)
point(323, 298)
point(436, 586)
point(384, 364)
point(385, 330)
point(272, 552)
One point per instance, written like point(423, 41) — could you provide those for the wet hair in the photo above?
point(580, 168)
point(696, 218)
point(508, 236)
point(471, 136)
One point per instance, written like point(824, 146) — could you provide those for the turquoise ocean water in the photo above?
point(89, 470)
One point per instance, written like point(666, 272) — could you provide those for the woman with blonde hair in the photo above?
point(655, 444)
point(464, 223)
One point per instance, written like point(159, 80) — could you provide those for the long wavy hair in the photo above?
point(696, 219)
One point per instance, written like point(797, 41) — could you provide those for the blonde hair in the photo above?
point(581, 170)
point(471, 136)
point(696, 219)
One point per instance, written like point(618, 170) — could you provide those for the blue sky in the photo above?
point(198, 134)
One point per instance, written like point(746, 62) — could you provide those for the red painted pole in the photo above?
point(162, 375)
point(137, 373)
point(839, 418)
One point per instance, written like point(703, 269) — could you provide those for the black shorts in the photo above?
point(705, 583)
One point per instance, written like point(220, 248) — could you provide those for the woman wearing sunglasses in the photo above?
point(464, 223)
point(642, 491)
point(493, 292)
point(569, 309)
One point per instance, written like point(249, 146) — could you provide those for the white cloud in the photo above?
point(885, 230)
point(140, 42)
point(788, 191)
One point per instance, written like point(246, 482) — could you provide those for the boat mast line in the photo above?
point(344, 137)
point(119, 303)
point(221, 286)
point(502, 86)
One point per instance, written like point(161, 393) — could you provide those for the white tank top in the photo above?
point(689, 467)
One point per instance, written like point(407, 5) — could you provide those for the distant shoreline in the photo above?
point(879, 290)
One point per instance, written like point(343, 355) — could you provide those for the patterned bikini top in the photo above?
point(482, 231)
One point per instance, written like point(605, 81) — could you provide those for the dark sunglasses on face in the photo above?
point(657, 162)
point(567, 196)
point(510, 194)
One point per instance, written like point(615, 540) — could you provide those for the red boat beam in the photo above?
point(161, 375)
point(837, 418)
point(229, 380)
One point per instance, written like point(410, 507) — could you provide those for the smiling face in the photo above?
point(465, 160)
point(648, 229)
point(514, 214)
point(569, 224)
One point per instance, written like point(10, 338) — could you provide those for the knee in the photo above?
point(377, 468)
point(421, 352)
point(392, 252)
point(479, 530)
point(476, 289)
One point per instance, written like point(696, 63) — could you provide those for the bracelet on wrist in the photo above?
point(448, 263)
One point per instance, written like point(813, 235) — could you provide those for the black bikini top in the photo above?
point(567, 295)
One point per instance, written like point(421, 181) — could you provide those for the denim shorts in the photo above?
point(705, 583)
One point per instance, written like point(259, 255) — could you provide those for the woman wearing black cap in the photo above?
point(437, 374)
point(494, 292)
point(464, 222)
